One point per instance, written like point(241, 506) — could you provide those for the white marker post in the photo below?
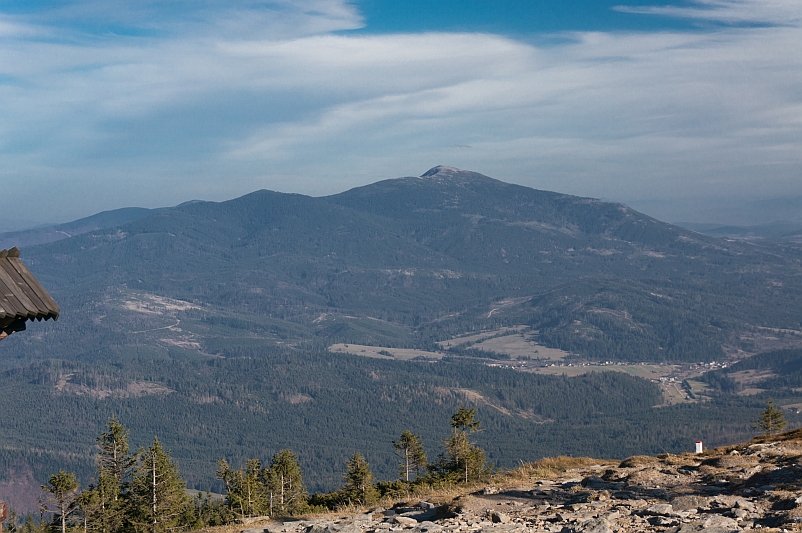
point(699, 447)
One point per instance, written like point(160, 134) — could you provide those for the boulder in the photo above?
point(720, 521)
point(599, 525)
point(687, 503)
point(428, 527)
point(660, 509)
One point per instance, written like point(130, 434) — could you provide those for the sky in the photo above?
point(685, 110)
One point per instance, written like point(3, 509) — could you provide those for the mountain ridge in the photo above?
point(412, 251)
point(234, 305)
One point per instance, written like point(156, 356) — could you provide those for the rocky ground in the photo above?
point(757, 485)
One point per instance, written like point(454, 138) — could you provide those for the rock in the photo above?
point(594, 482)
point(490, 490)
point(429, 527)
point(499, 518)
point(404, 521)
point(350, 528)
point(721, 521)
point(686, 503)
point(740, 514)
point(254, 530)
point(744, 504)
point(512, 528)
point(660, 509)
point(599, 525)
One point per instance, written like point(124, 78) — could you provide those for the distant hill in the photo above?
point(412, 261)
point(209, 323)
point(47, 234)
point(784, 230)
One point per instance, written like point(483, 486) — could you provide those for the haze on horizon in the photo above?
point(687, 110)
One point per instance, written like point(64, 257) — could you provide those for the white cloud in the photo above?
point(777, 12)
point(225, 101)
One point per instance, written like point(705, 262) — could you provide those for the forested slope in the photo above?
point(207, 324)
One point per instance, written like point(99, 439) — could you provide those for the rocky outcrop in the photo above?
point(753, 486)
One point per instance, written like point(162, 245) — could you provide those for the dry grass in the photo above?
point(731, 461)
point(232, 528)
point(551, 467)
point(794, 434)
point(637, 460)
point(684, 459)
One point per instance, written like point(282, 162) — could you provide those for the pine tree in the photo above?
point(246, 493)
point(114, 458)
point(359, 487)
point(462, 457)
point(410, 448)
point(102, 504)
point(157, 496)
point(285, 484)
point(772, 419)
point(62, 493)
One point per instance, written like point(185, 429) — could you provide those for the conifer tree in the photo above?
point(463, 457)
point(772, 419)
point(285, 484)
point(158, 499)
point(359, 487)
point(246, 493)
point(102, 504)
point(60, 499)
point(410, 448)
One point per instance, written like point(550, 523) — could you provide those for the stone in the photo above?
point(499, 518)
point(686, 503)
point(740, 514)
point(429, 527)
point(660, 509)
point(599, 525)
point(506, 528)
point(744, 504)
point(594, 482)
point(405, 521)
point(718, 520)
point(254, 530)
point(350, 528)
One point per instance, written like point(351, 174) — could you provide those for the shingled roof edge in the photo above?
point(22, 297)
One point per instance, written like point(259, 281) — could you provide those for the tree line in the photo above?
point(143, 492)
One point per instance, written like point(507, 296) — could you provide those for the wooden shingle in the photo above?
point(22, 297)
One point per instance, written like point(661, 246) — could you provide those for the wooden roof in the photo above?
point(22, 297)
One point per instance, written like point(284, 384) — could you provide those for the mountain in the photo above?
point(210, 325)
point(413, 261)
point(782, 230)
point(47, 234)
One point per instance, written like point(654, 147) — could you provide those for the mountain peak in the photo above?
point(441, 171)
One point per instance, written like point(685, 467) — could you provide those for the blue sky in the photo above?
point(672, 107)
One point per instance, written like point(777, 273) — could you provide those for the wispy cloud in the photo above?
point(212, 99)
point(776, 12)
